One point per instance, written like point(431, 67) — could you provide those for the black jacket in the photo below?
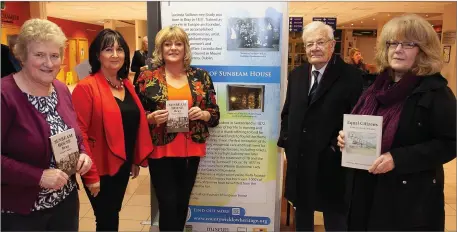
point(138, 61)
point(411, 196)
point(315, 178)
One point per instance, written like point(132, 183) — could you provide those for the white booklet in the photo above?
point(178, 116)
point(363, 136)
point(66, 151)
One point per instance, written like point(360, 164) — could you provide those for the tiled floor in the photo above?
point(136, 208)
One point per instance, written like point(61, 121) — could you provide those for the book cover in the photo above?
point(178, 116)
point(362, 134)
point(66, 151)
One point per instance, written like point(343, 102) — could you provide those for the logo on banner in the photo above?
point(259, 229)
point(236, 211)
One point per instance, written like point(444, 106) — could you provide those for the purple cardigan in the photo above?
point(26, 149)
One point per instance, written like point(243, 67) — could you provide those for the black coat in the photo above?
point(315, 178)
point(411, 196)
point(138, 61)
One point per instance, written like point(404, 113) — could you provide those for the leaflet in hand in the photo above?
point(178, 116)
point(363, 135)
point(66, 151)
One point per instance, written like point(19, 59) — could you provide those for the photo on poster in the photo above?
point(245, 97)
point(254, 34)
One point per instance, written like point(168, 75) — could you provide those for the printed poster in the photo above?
point(240, 45)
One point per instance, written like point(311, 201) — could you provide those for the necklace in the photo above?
point(118, 87)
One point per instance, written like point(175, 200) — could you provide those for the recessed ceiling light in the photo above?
point(352, 24)
point(426, 15)
point(388, 14)
point(361, 21)
point(374, 19)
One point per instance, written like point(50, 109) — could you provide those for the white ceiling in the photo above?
point(347, 13)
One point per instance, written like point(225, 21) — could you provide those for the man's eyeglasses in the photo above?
point(405, 45)
point(320, 44)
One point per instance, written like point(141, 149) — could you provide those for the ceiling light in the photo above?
point(388, 14)
point(374, 19)
point(352, 24)
point(361, 21)
point(426, 15)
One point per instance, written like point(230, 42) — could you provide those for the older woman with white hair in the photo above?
point(403, 190)
point(36, 194)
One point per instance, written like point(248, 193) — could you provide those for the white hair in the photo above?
point(144, 38)
point(317, 26)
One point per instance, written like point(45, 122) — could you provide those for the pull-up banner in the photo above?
point(241, 46)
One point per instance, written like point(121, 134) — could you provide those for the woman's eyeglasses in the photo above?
point(405, 45)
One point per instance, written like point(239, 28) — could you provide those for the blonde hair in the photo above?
point(411, 28)
point(167, 34)
point(349, 58)
point(38, 30)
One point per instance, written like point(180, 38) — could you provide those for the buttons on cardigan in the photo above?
point(434, 181)
point(304, 130)
point(404, 182)
point(419, 124)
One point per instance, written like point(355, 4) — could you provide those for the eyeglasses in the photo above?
point(405, 45)
point(320, 44)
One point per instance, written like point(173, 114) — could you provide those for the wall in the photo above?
point(78, 30)
point(449, 24)
point(141, 30)
point(13, 17)
point(74, 29)
point(129, 35)
point(367, 46)
point(15, 13)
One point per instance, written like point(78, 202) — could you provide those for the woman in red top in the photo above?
point(114, 126)
point(174, 163)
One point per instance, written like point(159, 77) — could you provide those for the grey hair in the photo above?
point(314, 26)
point(144, 38)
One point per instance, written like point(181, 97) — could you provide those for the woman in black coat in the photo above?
point(404, 188)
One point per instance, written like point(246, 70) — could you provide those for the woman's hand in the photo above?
point(84, 164)
point(53, 179)
point(195, 113)
point(383, 164)
point(340, 139)
point(94, 188)
point(158, 117)
point(135, 171)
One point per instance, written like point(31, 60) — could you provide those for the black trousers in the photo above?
point(173, 180)
point(108, 203)
point(62, 217)
point(333, 221)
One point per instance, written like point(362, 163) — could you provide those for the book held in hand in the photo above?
point(178, 116)
point(66, 151)
point(363, 136)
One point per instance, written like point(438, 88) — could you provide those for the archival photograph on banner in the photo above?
point(66, 152)
point(240, 46)
point(363, 135)
point(178, 116)
point(256, 34)
point(248, 98)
